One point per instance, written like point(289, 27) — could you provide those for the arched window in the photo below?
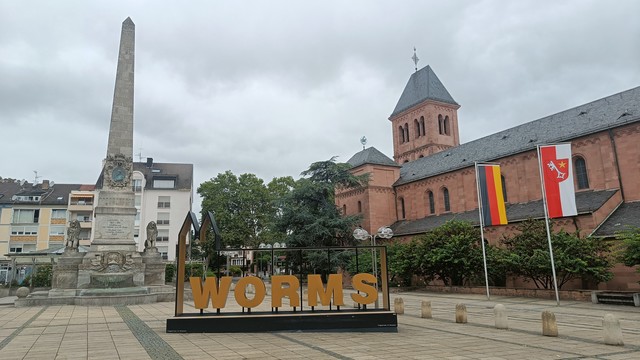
point(421, 156)
point(401, 134)
point(359, 207)
point(580, 168)
point(445, 196)
point(422, 126)
point(402, 210)
point(344, 209)
point(405, 161)
point(504, 188)
point(440, 125)
point(406, 132)
point(446, 126)
point(432, 203)
point(417, 126)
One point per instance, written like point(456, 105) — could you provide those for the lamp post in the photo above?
point(361, 234)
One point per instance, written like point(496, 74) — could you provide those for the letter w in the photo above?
point(202, 294)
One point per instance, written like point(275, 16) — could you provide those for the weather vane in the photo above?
point(415, 58)
point(363, 141)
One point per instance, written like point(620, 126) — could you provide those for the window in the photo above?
point(26, 216)
point(164, 183)
point(15, 249)
point(164, 202)
point(163, 235)
point(402, 209)
point(56, 230)
point(422, 126)
point(164, 255)
point(406, 132)
point(446, 126)
point(417, 125)
point(138, 202)
point(401, 135)
point(504, 188)
point(137, 185)
point(58, 214)
point(359, 206)
point(580, 168)
point(84, 217)
point(432, 203)
point(445, 195)
point(440, 125)
point(344, 209)
point(163, 218)
point(24, 230)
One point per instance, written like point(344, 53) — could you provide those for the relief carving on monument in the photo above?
point(112, 262)
point(117, 171)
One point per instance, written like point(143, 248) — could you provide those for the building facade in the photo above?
point(431, 178)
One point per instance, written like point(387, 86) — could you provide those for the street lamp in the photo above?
point(361, 234)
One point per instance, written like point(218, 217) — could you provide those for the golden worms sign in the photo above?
point(208, 291)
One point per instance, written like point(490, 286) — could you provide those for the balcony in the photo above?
point(80, 205)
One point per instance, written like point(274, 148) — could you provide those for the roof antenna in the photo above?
point(35, 181)
point(139, 154)
point(363, 141)
point(415, 58)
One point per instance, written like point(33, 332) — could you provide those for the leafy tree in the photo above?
point(245, 208)
point(631, 246)
point(451, 253)
point(310, 217)
point(574, 257)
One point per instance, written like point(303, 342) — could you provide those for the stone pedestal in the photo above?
point(154, 267)
point(65, 272)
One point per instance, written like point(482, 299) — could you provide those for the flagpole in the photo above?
point(546, 222)
point(484, 254)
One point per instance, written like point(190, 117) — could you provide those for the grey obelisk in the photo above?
point(115, 211)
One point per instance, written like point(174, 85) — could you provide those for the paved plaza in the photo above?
point(138, 332)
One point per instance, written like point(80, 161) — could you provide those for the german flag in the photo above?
point(491, 198)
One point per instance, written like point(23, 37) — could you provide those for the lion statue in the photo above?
point(73, 235)
point(152, 235)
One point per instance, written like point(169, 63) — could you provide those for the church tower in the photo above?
point(425, 119)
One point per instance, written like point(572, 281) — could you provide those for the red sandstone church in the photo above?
point(431, 178)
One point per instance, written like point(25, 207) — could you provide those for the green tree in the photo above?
point(630, 255)
point(574, 257)
point(451, 253)
point(244, 207)
point(310, 217)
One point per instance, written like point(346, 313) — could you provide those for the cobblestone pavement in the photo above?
point(138, 332)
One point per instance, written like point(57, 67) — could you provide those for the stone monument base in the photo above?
point(99, 297)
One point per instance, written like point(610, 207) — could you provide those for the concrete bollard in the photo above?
point(500, 313)
point(461, 314)
point(612, 330)
point(426, 310)
point(549, 325)
point(22, 292)
point(398, 306)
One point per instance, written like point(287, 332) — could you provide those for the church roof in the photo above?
point(370, 155)
point(625, 217)
point(586, 202)
point(609, 112)
point(423, 85)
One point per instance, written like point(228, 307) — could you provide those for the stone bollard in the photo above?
point(22, 292)
point(612, 331)
point(461, 314)
point(398, 306)
point(549, 325)
point(500, 313)
point(426, 310)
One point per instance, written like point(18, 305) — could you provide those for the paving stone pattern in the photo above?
point(138, 332)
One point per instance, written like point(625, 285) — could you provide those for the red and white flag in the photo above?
point(557, 176)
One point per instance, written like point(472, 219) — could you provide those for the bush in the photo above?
point(169, 273)
point(193, 270)
point(43, 275)
point(235, 271)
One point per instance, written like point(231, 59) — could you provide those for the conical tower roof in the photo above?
point(423, 85)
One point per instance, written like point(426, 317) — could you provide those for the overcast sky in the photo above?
point(268, 87)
